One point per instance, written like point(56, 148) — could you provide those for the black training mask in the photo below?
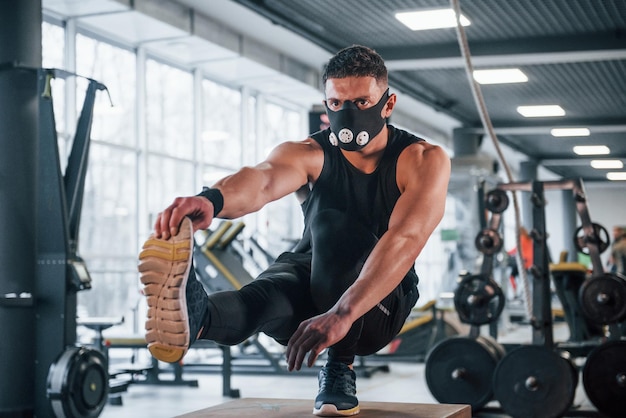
point(352, 128)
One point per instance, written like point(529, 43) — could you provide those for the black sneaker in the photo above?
point(177, 302)
point(336, 397)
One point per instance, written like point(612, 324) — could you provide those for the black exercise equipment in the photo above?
point(539, 379)
point(603, 299)
point(599, 238)
point(478, 299)
point(69, 381)
point(535, 381)
point(488, 241)
point(460, 370)
point(78, 383)
point(568, 277)
point(604, 378)
point(496, 201)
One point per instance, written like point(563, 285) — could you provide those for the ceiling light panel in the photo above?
point(592, 150)
point(540, 111)
point(607, 164)
point(559, 132)
point(618, 175)
point(500, 76)
point(430, 19)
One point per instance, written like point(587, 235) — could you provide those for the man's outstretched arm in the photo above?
point(287, 168)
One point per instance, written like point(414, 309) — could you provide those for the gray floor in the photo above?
point(404, 382)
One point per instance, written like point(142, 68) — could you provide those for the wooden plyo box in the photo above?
point(295, 408)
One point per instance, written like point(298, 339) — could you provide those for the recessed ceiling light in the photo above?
point(592, 150)
point(500, 76)
point(607, 164)
point(540, 111)
point(430, 19)
point(570, 132)
point(617, 175)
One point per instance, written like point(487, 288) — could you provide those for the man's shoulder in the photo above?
point(424, 156)
point(402, 135)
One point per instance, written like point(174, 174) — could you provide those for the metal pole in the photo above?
point(528, 173)
point(20, 46)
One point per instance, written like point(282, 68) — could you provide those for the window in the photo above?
point(52, 45)
point(108, 228)
point(280, 222)
point(168, 178)
point(169, 110)
point(113, 124)
point(221, 126)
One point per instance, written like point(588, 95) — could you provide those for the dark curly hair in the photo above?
point(356, 61)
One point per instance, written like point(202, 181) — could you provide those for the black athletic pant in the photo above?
point(299, 286)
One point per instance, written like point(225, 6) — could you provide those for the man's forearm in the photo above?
point(380, 275)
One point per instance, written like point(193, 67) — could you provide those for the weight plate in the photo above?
point(478, 300)
point(499, 348)
point(488, 241)
point(601, 239)
point(534, 381)
point(604, 378)
point(496, 201)
point(603, 299)
point(459, 371)
point(78, 383)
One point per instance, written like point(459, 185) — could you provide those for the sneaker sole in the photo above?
point(164, 267)
point(330, 410)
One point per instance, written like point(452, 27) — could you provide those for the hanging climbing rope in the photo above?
point(488, 127)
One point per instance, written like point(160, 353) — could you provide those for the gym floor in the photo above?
point(404, 382)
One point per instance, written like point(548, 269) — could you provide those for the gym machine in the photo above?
point(70, 381)
point(539, 379)
point(459, 369)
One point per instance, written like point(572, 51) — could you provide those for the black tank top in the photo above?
point(367, 198)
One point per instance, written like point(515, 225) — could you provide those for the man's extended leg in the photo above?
point(179, 310)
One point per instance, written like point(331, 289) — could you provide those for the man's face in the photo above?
point(364, 92)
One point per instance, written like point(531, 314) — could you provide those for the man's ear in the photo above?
point(391, 103)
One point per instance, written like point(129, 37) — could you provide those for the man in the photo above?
point(371, 195)
point(617, 258)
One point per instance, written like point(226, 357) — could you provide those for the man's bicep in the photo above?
point(287, 168)
point(422, 202)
